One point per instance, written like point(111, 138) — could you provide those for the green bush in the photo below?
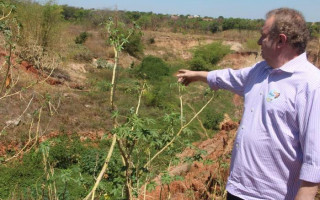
point(103, 86)
point(81, 38)
point(206, 57)
point(212, 120)
point(152, 40)
point(134, 47)
point(21, 175)
point(153, 68)
point(92, 160)
point(64, 152)
point(198, 64)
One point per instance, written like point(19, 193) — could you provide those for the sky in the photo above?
point(249, 9)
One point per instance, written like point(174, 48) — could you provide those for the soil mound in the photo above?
point(205, 179)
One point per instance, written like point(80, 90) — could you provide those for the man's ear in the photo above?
point(282, 40)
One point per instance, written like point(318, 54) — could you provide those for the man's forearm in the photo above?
point(307, 191)
point(187, 76)
point(202, 76)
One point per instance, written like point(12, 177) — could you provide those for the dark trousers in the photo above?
point(232, 197)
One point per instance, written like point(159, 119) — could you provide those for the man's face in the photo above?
point(268, 45)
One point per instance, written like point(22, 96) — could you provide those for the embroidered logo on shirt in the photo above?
point(272, 95)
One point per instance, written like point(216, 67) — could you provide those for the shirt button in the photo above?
point(242, 127)
point(252, 109)
point(260, 93)
point(237, 145)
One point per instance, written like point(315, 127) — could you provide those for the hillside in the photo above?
point(60, 118)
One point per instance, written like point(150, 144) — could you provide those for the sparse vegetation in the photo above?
point(252, 45)
point(62, 122)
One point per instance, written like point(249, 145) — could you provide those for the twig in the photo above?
point(19, 118)
point(179, 132)
point(29, 86)
point(200, 122)
point(25, 146)
point(29, 140)
point(5, 16)
point(181, 106)
point(139, 100)
point(8, 70)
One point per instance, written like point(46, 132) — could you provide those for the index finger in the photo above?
point(180, 72)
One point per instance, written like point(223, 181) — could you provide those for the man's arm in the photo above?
point(307, 191)
point(186, 76)
point(308, 109)
point(228, 79)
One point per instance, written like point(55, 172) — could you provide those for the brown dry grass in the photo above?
point(237, 35)
point(96, 43)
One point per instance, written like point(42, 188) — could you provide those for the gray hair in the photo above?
point(291, 23)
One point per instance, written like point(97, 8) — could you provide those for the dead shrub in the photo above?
point(40, 59)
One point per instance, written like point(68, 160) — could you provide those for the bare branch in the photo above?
point(200, 122)
point(104, 168)
point(19, 118)
point(35, 139)
point(5, 16)
point(179, 132)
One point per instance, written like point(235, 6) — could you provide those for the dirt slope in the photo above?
point(205, 179)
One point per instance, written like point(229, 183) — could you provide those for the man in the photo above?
point(276, 153)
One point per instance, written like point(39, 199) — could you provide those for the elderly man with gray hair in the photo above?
point(276, 153)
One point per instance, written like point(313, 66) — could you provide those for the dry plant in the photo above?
point(40, 59)
point(10, 85)
point(32, 141)
point(49, 175)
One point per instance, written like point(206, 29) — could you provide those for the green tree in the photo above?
point(145, 22)
point(51, 18)
point(153, 68)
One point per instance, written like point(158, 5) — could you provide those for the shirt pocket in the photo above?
point(281, 117)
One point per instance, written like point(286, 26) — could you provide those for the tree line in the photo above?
point(174, 23)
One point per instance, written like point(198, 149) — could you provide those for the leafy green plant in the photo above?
point(198, 64)
point(135, 46)
point(103, 86)
point(207, 56)
point(212, 120)
point(81, 38)
point(153, 68)
point(117, 40)
point(197, 156)
point(91, 160)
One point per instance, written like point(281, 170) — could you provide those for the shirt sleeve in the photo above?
point(229, 79)
point(309, 124)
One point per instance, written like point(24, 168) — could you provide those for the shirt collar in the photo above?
point(291, 66)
